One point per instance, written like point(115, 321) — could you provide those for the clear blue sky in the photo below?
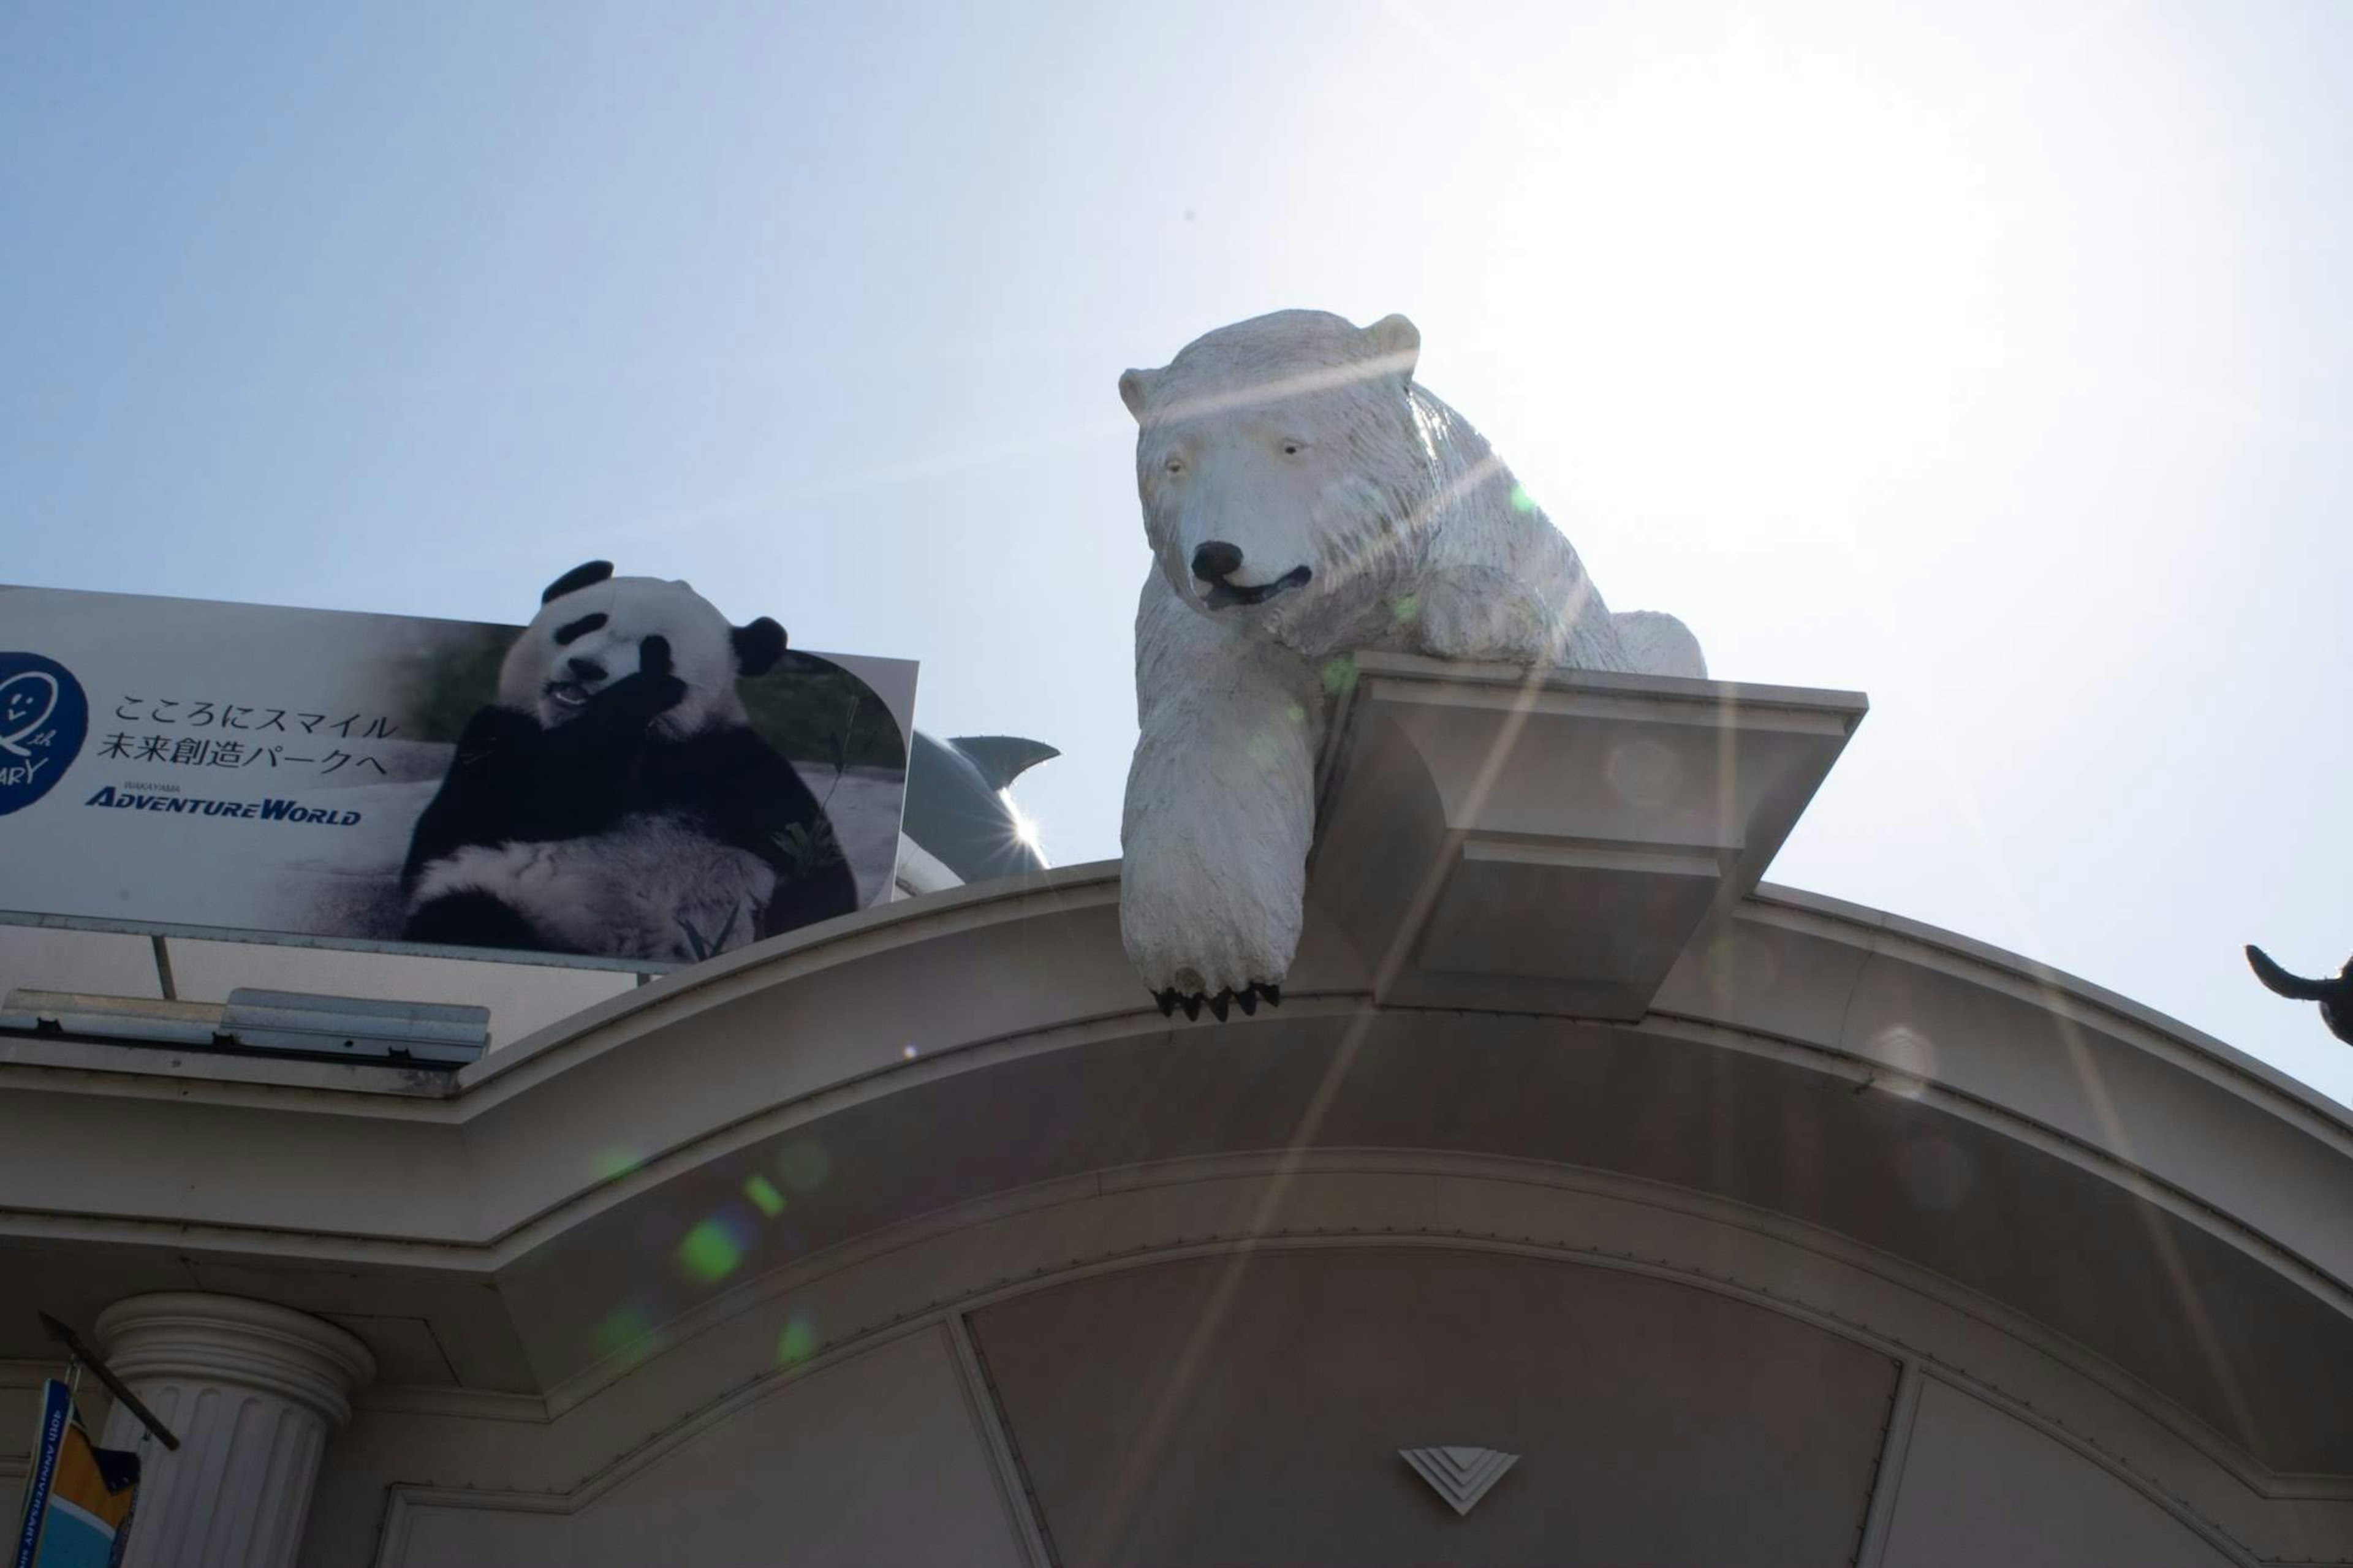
point(1996, 362)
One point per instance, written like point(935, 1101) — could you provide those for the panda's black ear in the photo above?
point(758, 646)
point(579, 577)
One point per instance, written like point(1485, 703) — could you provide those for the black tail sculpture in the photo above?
point(2335, 996)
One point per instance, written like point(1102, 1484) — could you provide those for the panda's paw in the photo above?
point(644, 697)
point(473, 917)
point(1247, 998)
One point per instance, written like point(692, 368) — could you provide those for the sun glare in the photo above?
point(1767, 273)
point(1025, 828)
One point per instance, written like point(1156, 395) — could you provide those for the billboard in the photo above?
point(631, 781)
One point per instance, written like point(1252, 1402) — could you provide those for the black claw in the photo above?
point(1167, 1000)
point(1272, 992)
point(1248, 998)
point(1193, 1005)
point(1219, 1002)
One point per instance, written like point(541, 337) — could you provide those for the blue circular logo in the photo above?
point(44, 719)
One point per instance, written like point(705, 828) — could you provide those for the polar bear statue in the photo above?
point(1305, 499)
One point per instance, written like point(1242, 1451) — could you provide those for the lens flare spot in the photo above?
point(764, 1194)
point(1643, 773)
point(711, 1250)
point(1406, 608)
point(908, 1052)
point(804, 1167)
point(1911, 1055)
point(1339, 675)
point(1264, 750)
point(1295, 713)
point(799, 1339)
point(614, 1162)
point(624, 1328)
point(1521, 500)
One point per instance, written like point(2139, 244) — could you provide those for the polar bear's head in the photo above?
point(1279, 465)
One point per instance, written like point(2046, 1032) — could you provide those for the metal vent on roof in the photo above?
point(443, 1032)
point(138, 1018)
point(287, 1023)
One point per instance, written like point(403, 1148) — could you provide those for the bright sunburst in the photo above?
point(1025, 827)
point(1763, 274)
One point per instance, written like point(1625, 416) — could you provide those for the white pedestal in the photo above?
point(251, 1390)
point(1461, 806)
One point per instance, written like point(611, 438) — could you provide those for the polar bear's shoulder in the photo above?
point(1505, 582)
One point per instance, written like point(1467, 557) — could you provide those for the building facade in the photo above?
point(1753, 1226)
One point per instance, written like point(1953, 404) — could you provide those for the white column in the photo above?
point(251, 1390)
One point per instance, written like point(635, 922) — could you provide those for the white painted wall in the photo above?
point(1979, 1486)
point(876, 1460)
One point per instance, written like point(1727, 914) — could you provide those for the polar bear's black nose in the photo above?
point(1216, 560)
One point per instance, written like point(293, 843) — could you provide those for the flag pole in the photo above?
point(105, 1374)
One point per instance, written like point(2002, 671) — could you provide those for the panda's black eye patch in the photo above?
point(571, 632)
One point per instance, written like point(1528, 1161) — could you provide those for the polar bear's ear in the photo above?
point(1397, 342)
point(1133, 386)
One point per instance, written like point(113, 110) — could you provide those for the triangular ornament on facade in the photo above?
point(1460, 1476)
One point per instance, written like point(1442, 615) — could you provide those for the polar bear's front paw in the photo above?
point(1248, 998)
point(1210, 933)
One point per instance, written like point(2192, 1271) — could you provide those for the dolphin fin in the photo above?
point(1001, 758)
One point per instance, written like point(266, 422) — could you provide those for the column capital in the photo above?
point(240, 1342)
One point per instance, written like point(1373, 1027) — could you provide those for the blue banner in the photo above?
point(56, 1413)
point(78, 1497)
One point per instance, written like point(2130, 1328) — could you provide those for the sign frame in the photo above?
point(160, 930)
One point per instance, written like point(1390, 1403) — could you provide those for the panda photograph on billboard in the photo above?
point(631, 779)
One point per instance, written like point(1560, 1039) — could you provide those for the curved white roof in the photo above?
point(954, 1096)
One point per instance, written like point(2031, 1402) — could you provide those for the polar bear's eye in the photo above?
point(1292, 448)
point(1175, 465)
